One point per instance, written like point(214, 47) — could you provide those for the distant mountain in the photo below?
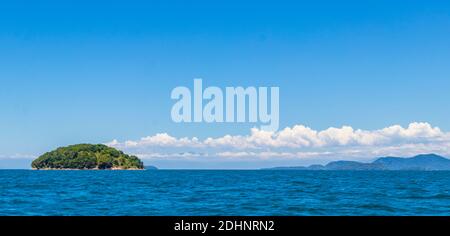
point(420, 162)
point(150, 167)
point(353, 165)
point(426, 162)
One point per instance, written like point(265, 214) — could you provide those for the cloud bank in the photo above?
point(298, 141)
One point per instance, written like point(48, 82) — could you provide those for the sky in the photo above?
point(357, 79)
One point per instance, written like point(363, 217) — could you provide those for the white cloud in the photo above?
point(18, 156)
point(183, 155)
point(298, 141)
point(161, 139)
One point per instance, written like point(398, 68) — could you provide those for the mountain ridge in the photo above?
point(422, 162)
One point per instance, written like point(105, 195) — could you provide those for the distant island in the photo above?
point(85, 157)
point(425, 162)
point(150, 167)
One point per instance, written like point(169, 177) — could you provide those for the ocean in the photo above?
point(224, 192)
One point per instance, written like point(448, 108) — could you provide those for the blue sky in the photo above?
point(85, 71)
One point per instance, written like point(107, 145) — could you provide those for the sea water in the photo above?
point(224, 192)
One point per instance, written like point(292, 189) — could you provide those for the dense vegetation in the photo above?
point(87, 156)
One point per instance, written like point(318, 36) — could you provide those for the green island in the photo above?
point(86, 157)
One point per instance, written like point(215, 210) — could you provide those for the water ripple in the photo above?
point(223, 193)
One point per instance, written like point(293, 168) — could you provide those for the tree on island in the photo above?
point(87, 156)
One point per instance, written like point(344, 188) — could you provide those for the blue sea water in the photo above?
point(224, 192)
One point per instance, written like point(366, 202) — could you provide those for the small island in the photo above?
point(87, 157)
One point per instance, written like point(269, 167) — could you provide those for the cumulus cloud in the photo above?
point(298, 141)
